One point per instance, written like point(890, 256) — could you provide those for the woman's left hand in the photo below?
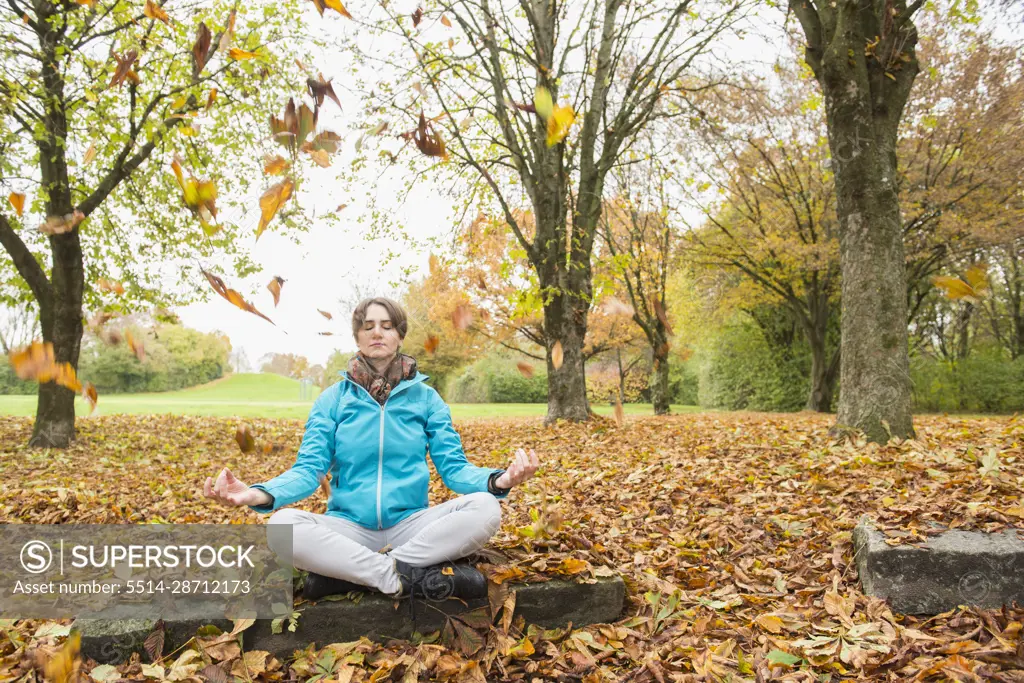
point(522, 468)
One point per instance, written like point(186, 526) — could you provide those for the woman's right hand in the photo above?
point(228, 490)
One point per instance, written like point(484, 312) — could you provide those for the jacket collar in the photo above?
point(402, 386)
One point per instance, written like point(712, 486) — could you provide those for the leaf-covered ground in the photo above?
point(733, 532)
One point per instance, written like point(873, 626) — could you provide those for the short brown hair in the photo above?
point(399, 319)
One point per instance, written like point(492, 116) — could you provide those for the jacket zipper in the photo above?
point(380, 466)
point(380, 453)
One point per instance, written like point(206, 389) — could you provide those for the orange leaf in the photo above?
point(90, 154)
point(211, 98)
point(446, 21)
point(276, 165)
point(231, 295)
point(58, 225)
point(340, 207)
point(240, 54)
point(244, 437)
point(462, 317)
point(659, 310)
point(271, 201)
point(556, 355)
point(525, 369)
point(135, 345)
point(430, 345)
point(17, 200)
point(337, 7)
point(229, 32)
point(620, 417)
point(325, 314)
point(90, 395)
point(154, 11)
point(275, 288)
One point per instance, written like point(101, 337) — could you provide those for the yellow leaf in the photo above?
point(337, 7)
point(180, 102)
point(770, 623)
point(889, 75)
point(90, 154)
point(17, 200)
point(276, 165)
point(559, 123)
point(446, 21)
point(239, 53)
point(977, 277)
point(90, 395)
point(63, 666)
point(188, 131)
point(953, 287)
point(542, 103)
point(212, 98)
point(571, 565)
point(271, 201)
point(154, 11)
point(320, 157)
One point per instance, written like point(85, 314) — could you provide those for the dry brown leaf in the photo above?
point(556, 355)
point(90, 154)
point(462, 317)
point(275, 288)
point(244, 438)
point(430, 345)
point(201, 49)
point(325, 314)
point(620, 415)
point(446, 21)
point(90, 395)
point(525, 369)
point(275, 165)
point(231, 295)
point(155, 11)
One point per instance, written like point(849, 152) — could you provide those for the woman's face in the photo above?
point(378, 339)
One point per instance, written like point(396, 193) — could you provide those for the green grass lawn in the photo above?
point(267, 395)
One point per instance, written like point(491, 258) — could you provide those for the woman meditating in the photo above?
point(371, 431)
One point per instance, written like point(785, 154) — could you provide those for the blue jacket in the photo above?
point(376, 454)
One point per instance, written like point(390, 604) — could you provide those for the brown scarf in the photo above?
point(380, 385)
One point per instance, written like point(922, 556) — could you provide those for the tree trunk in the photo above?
point(62, 326)
point(875, 366)
point(659, 380)
point(823, 375)
point(567, 385)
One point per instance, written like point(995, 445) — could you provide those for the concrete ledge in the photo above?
point(954, 568)
point(550, 604)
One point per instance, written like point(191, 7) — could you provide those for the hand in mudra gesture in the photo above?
point(228, 490)
point(522, 468)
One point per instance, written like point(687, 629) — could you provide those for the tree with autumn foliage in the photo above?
point(492, 94)
point(97, 97)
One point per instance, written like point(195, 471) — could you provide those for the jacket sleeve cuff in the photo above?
point(493, 488)
point(269, 507)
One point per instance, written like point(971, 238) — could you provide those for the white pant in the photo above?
point(336, 547)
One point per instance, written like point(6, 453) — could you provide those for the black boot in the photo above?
point(439, 582)
point(318, 586)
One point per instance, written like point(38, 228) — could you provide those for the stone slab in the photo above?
point(954, 568)
point(550, 604)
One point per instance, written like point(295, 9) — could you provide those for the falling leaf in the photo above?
point(241, 55)
point(135, 345)
point(108, 286)
point(63, 666)
point(379, 128)
point(275, 288)
point(326, 334)
point(340, 208)
point(211, 98)
point(325, 485)
point(200, 49)
point(229, 32)
point(430, 345)
point(558, 119)
point(244, 437)
point(17, 200)
point(90, 154)
point(543, 103)
point(462, 317)
point(200, 195)
point(180, 102)
point(320, 157)
point(446, 21)
point(292, 129)
point(154, 11)
point(325, 314)
point(37, 362)
point(320, 88)
point(525, 369)
point(231, 295)
point(417, 17)
point(620, 416)
point(90, 395)
point(58, 225)
point(972, 288)
point(613, 306)
point(275, 165)
point(556, 355)
point(271, 201)
point(659, 310)
point(451, 43)
point(428, 140)
point(335, 5)
point(124, 68)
